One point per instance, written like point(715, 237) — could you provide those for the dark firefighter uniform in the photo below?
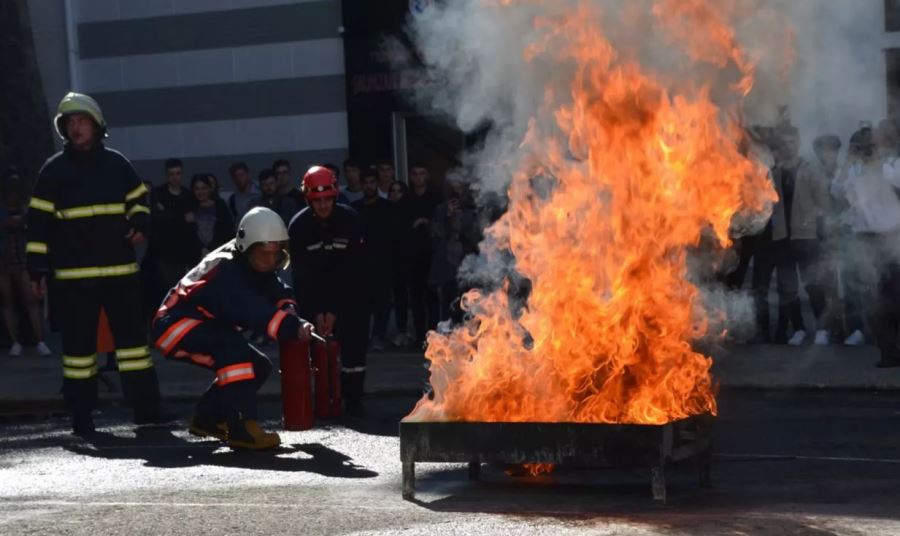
point(328, 277)
point(200, 322)
point(84, 205)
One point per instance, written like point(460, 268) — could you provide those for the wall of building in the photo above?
point(215, 81)
point(838, 79)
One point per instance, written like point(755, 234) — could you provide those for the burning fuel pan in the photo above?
point(577, 444)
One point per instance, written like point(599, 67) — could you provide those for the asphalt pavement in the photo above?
point(787, 462)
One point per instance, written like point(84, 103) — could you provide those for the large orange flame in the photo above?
point(634, 170)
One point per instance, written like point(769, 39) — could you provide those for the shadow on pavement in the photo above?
point(782, 497)
point(159, 447)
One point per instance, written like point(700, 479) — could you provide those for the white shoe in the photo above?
point(855, 339)
point(821, 338)
point(377, 344)
point(15, 350)
point(798, 338)
point(43, 349)
point(400, 340)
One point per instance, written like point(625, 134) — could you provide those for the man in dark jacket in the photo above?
point(271, 199)
point(235, 287)
point(326, 244)
point(88, 211)
point(378, 220)
point(173, 248)
point(418, 209)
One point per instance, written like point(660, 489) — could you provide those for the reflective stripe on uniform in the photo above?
point(89, 211)
point(79, 373)
point(42, 204)
point(36, 247)
point(235, 373)
point(137, 208)
point(137, 192)
point(79, 361)
point(136, 364)
point(79, 367)
point(351, 370)
point(275, 323)
point(175, 333)
point(131, 353)
point(97, 271)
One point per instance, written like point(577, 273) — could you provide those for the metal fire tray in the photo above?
point(562, 443)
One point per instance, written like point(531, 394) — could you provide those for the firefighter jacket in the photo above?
point(328, 267)
point(224, 288)
point(83, 206)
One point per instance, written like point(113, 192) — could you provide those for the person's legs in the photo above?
point(240, 371)
point(886, 312)
point(418, 289)
point(788, 285)
point(7, 307)
point(400, 289)
point(812, 273)
point(381, 306)
point(22, 286)
point(351, 334)
point(746, 246)
point(763, 266)
point(121, 299)
point(79, 312)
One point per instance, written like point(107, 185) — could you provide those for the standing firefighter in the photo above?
point(326, 245)
point(235, 287)
point(88, 211)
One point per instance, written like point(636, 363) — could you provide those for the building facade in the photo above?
point(210, 82)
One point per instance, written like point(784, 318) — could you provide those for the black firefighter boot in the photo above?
point(82, 423)
point(141, 390)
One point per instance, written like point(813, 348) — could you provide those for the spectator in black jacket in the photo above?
point(210, 217)
point(400, 268)
point(172, 248)
point(270, 198)
point(418, 208)
point(455, 233)
point(245, 193)
point(377, 215)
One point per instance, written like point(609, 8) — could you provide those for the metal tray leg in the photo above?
point(474, 470)
point(409, 480)
point(658, 482)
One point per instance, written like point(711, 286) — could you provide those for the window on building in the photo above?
point(892, 61)
point(892, 15)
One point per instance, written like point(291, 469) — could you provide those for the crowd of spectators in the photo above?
point(834, 234)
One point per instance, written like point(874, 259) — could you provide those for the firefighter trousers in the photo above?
point(352, 331)
point(240, 368)
point(79, 311)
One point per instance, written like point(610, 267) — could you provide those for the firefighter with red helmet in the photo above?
point(326, 239)
point(87, 212)
point(235, 287)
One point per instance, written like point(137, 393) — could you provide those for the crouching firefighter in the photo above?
point(234, 288)
point(326, 245)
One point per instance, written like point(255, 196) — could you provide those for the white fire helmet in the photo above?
point(260, 224)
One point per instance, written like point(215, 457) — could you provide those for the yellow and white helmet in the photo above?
point(78, 103)
point(260, 224)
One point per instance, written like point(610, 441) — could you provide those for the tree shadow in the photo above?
point(160, 447)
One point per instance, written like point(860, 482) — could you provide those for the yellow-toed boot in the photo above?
point(248, 435)
point(205, 427)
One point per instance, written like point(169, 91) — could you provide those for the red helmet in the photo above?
point(319, 182)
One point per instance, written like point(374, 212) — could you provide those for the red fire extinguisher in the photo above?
point(326, 360)
point(296, 387)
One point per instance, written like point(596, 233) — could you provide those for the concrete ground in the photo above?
point(808, 462)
